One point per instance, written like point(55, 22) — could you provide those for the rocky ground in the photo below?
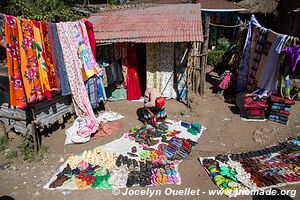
point(225, 133)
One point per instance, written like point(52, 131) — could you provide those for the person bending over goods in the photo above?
point(154, 107)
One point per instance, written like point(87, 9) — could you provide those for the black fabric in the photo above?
point(114, 73)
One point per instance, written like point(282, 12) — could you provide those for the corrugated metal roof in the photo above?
point(219, 5)
point(157, 23)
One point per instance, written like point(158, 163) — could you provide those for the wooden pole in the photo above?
point(204, 58)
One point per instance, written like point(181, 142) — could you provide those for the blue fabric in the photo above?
point(275, 117)
point(244, 65)
point(281, 108)
point(90, 87)
point(64, 81)
point(95, 90)
point(281, 105)
point(100, 89)
point(270, 72)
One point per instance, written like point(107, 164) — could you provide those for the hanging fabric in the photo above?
point(244, 65)
point(53, 55)
point(64, 80)
point(16, 87)
point(269, 75)
point(82, 105)
point(90, 31)
point(293, 56)
point(133, 83)
point(259, 38)
point(181, 60)
point(30, 68)
point(48, 57)
point(160, 68)
point(40, 53)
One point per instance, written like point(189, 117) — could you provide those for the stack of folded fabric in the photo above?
point(256, 110)
point(280, 109)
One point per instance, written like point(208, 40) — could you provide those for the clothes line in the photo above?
point(226, 26)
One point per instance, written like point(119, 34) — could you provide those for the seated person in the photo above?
point(154, 109)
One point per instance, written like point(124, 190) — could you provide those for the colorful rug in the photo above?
point(134, 159)
point(255, 170)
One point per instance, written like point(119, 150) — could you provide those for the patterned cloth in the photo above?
point(244, 65)
point(30, 67)
point(95, 90)
point(91, 67)
point(73, 64)
point(259, 41)
point(16, 86)
point(40, 55)
point(160, 68)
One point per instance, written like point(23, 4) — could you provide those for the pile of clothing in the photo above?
point(255, 107)
point(280, 109)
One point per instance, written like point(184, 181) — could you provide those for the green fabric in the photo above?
point(101, 182)
point(192, 131)
point(256, 117)
point(116, 94)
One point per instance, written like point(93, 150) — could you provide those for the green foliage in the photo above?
point(47, 10)
point(223, 44)
point(3, 143)
point(26, 149)
point(215, 56)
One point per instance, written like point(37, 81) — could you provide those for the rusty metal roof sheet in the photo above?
point(157, 23)
point(219, 6)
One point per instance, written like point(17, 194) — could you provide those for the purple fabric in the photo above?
point(293, 55)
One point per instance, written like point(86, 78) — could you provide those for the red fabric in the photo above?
point(281, 112)
point(133, 83)
point(258, 112)
point(277, 99)
point(255, 105)
point(90, 30)
point(106, 129)
point(160, 102)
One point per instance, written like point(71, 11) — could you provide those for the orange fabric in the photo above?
point(28, 61)
point(40, 54)
point(16, 87)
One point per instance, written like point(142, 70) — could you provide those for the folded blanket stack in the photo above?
point(280, 109)
point(256, 110)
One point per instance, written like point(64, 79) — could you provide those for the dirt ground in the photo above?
point(225, 133)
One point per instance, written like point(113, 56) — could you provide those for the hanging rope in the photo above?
point(226, 26)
